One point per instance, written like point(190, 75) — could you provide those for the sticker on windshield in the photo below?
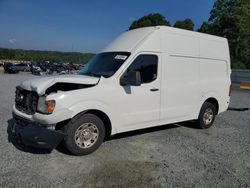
point(121, 57)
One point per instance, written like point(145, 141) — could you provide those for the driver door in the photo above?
point(140, 105)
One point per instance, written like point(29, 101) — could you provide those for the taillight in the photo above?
point(230, 90)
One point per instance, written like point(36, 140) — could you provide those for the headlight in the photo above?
point(46, 107)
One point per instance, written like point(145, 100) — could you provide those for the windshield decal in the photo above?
point(121, 57)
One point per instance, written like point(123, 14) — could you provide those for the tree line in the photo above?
point(228, 18)
point(158, 19)
point(41, 56)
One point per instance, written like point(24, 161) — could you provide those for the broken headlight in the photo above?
point(46, 106)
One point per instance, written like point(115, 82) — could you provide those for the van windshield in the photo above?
point(105, 64)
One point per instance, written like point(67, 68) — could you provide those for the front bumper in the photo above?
point(47, 119)
point(35, 135)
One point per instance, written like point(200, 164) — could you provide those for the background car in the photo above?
point(9, 68)
point(21, 67)
point(61, 68)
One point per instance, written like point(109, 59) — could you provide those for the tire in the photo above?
point(207, 116)
point(84, 135)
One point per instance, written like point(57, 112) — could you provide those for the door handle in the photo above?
point(154, 89)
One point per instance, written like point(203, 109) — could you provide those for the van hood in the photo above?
point(41, 84)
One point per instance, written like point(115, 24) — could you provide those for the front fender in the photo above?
point(92, 105)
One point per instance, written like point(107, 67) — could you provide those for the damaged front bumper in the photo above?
point(36, 135)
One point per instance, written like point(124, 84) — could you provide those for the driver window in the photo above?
point(147, 66)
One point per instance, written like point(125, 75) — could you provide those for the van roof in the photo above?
point(190, 33)
point(129, 40)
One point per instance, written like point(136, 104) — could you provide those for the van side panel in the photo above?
point(180, 87)
point(180, 45)
point(214, 82)
point(215, 71)
point(180, 76)
point(194, 69)
point(213, 49)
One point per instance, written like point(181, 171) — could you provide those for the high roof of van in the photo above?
point(130, 40)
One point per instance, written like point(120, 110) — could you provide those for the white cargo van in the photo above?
point(146, 77)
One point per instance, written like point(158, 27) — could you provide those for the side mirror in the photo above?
point(132, 78)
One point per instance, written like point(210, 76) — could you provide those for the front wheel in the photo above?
point(84, 135)
point(206, 116)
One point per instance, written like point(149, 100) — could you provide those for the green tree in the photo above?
point(230, 19)
point(208, 28)
point(41, 56)
point(244, 40)
point(149, 20)
point(187, 24)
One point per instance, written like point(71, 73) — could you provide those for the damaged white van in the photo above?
point(146, 77)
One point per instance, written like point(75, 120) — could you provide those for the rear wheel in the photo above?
point(206, 116)
point(84, 135)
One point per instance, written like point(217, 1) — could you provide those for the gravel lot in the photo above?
point(168, 156)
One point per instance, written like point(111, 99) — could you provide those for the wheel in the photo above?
point(206, 116)
point(84, 135)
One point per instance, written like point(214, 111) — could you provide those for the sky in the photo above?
point(81, 25)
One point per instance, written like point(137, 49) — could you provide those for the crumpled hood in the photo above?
point(41, 84)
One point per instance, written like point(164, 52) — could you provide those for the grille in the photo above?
point(26, 101)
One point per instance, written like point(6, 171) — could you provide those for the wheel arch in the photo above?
point(102, 115)
point(213, 101)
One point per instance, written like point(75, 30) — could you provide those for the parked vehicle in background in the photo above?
point(36, 70)
point(39, 68)
point(43, 66)
point(61, 69)
point(147, 77)
point(77, 67)
point(22, 67)
point(10, 68)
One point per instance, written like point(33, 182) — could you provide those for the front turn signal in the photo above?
point(50, 106)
